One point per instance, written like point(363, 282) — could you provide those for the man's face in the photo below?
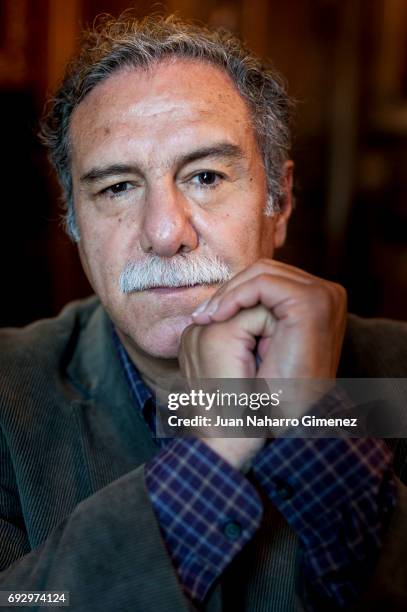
point(165, 166)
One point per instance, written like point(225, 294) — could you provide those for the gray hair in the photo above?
point(114, 44)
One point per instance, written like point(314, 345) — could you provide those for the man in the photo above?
point(171, 144)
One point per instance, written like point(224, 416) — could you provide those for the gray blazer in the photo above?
point(74, 511)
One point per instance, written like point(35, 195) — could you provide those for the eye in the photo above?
point(117, 189)
point(207, 178)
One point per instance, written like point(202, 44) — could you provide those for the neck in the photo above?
point(151, 368)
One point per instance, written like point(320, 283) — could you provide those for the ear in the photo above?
point(286, 205)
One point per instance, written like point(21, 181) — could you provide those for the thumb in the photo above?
point(254, 322)
point(241, 333)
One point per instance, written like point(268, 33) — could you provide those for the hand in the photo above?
point(297, 321)
point(303, 334)
point(225, 350)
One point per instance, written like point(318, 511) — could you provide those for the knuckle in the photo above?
point(338, 294)
point(328, 297)
point(341, 293)
point(263, 277)
point(261, 265)
point(319, 292)
point(321, 299)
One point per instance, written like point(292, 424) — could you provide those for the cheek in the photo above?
point(267, 241)
point(237, 239)
point(101, 259)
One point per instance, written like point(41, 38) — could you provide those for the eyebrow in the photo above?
point(222, 150)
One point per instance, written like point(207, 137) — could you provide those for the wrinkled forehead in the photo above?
point(176, 97)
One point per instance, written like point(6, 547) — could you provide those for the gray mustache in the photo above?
point(177, 271)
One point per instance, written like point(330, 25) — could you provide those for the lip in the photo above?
point(171, 290)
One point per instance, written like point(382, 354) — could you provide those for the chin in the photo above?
point(162, 339)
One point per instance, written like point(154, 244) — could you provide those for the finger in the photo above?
point(272, 265)
point(260, 267)
point(225, 349)
point(267, 289)
point(269, 266)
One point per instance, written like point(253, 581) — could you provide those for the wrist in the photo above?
point(238, 452)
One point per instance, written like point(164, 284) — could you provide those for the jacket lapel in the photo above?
point(114, 436)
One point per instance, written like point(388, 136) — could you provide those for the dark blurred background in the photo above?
point(346, 64)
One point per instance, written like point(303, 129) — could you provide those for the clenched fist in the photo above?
point(293, 321)
point(296, 320)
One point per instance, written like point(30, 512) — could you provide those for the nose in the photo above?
point(167, 228)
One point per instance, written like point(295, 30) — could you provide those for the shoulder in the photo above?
point(32, 357)
point(41, 337)
point(374, 348)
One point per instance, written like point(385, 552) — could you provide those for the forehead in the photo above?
point(172, 102)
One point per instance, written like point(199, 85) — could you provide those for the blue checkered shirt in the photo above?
point(335, 493)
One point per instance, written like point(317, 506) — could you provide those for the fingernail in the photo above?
point(201, 307)
point(212, 309)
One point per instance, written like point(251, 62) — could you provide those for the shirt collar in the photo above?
point(141, 394)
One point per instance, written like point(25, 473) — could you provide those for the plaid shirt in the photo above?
point(336, 494)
